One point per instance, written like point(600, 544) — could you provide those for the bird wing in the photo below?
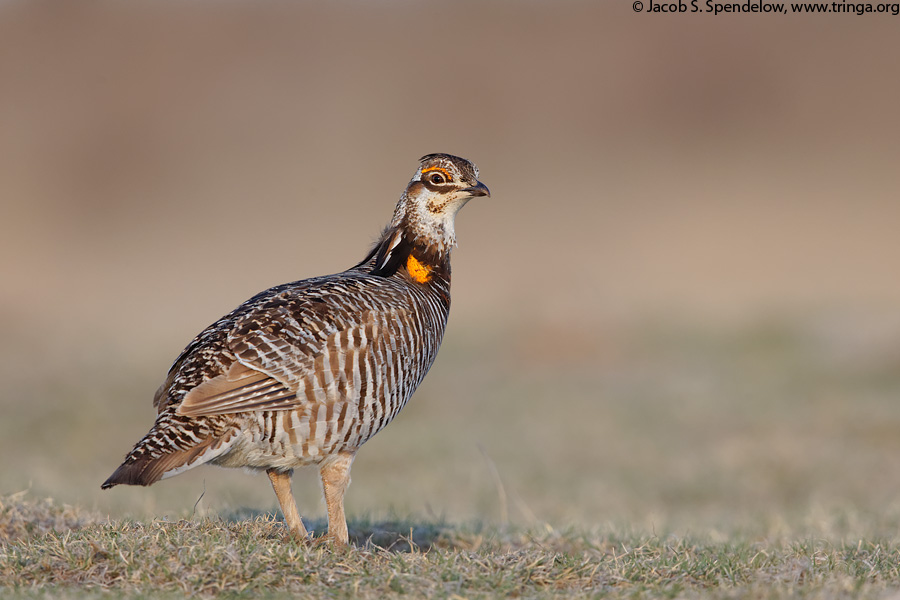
point(288, 354)
point(240, 389)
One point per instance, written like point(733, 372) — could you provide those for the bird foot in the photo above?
point(304, 538)
point(329, 540)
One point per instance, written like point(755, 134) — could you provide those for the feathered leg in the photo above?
point(335, 474)
point(281, 483)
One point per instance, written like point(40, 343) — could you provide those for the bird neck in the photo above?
point(399, 254)
point(432, 226)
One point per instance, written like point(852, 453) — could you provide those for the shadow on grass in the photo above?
point(395, 535)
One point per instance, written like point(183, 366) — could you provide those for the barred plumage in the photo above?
point(306, 372)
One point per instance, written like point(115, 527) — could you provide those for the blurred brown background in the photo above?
point(681, 301)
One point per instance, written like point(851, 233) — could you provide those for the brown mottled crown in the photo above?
point(466, 168)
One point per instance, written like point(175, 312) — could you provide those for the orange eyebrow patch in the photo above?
point(419, 272)
point(440, 169)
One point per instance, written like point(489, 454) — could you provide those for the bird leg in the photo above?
point(281, 483)
point(335, 474)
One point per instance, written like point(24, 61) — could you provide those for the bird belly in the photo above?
point(348, 400)
point(290, 439)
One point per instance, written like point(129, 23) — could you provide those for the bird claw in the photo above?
point(303, 538)
point(330, 541)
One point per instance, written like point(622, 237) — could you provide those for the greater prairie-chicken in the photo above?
point(304, 373)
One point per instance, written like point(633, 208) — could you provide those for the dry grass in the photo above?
point(22, 517)
point(68, 553)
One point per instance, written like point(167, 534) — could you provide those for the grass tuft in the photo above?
point(23, 518)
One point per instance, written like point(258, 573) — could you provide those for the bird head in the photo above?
point(442, 185)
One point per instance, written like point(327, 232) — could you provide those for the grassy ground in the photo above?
point(658, 461)
point(48, 551)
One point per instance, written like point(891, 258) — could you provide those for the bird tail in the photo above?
point(167, 450)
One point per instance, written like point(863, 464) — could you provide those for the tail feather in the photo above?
point(146, 470)
point(128, 473)
point(174, 444)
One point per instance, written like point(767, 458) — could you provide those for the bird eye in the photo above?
point(437, 179)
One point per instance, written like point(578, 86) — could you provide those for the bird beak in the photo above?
point(479, 189)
